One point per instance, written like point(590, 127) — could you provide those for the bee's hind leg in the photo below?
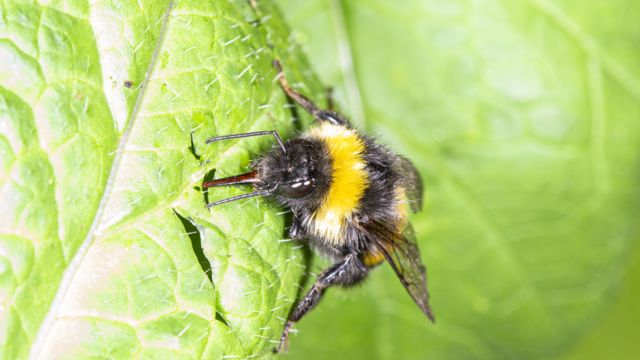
point(347, 272)
point(320, 115)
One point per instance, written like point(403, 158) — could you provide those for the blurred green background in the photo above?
point(522, 116)
point(524, 119)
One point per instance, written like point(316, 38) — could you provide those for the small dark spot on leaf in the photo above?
point(128, 84)
point(447, 151)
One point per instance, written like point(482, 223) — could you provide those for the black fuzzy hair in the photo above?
point(303, 159)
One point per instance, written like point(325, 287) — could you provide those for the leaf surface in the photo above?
point(106, 248)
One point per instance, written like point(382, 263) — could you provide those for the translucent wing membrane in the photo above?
point(401, 251)
point(412, 184)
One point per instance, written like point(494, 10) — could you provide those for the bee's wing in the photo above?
point(401, 251)
point(412, 184)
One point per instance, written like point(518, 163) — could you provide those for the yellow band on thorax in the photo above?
point(349, 180)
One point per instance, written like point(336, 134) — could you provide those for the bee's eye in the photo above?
point(297, 189)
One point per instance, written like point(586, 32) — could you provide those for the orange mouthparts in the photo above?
point(248, 178)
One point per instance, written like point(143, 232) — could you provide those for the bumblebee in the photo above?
point(350, 198)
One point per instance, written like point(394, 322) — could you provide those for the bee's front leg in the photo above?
point(320, 115)
point(347, 272)
point(296, 231)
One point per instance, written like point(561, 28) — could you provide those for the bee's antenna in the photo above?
point(250, 134)
point(238, 197)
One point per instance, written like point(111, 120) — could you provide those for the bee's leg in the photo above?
point(346, 272)
point(296, 230)
point(320, 115)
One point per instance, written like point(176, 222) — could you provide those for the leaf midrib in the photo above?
point(77, 259)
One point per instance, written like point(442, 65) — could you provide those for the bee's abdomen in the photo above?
point(384, 195)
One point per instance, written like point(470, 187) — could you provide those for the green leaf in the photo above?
point(105, 242)
point(523, 118)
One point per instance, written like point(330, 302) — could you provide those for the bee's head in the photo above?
point(298, 177)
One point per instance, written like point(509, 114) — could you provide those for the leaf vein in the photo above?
point(74, 265)
point(588, 44)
